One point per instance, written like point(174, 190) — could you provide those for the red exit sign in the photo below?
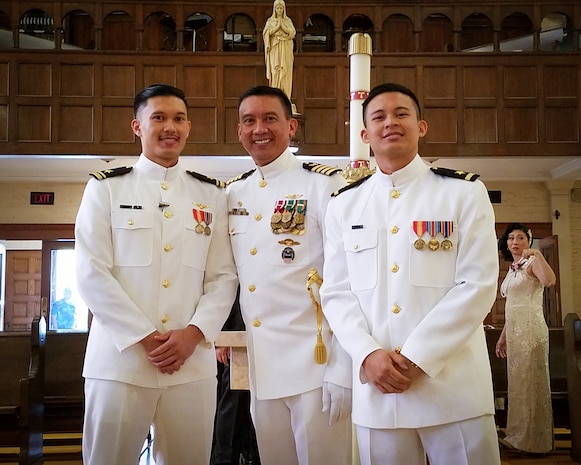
point(42, 198)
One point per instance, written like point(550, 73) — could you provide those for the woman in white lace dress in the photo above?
point(524, 341)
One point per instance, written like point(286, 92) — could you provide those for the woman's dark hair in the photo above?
point(503, 241)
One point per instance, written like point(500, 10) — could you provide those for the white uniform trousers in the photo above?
point(118, 417)
point(293, 431)
point(467, 442)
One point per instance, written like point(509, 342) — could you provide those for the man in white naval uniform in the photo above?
point(410, 273)
point(276, 214)
point(155, 267)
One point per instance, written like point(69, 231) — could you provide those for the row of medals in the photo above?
point(203, 228)
point(433, 244)
point(287, 221)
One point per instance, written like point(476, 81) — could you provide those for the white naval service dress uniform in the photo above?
point(285, 382)
point(380, 291)
point(141, 267)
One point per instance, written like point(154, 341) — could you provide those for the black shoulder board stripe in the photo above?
point(322, 169)
point(208, 179)
point(352, 185)
point(100, 175)
point(458, 174)
point(240, 177)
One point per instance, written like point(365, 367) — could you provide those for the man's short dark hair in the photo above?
point(391, 87)
point(259, 91)
point(156, 90)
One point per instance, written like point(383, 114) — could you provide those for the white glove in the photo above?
point(337, 401)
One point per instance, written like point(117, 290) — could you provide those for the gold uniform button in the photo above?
point(253, 251)
point(167, 214)
point(355, 246)
point(232, 230)
point(394, 194)
point(258, 217)
point(165, 283)
point(394, 229)
point(131, 222)
point(164, 319)
point(167, 248)
point(252, 288)
point(256, 323)
point(394, 268)
point(164, 186)
point(262, 183)
point(395, 309)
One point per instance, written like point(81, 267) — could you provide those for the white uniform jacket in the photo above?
point(141, 266)
point(379, 291)
point(273, 268)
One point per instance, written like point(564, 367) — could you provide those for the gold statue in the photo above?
point(320, 350)
point(278, 35)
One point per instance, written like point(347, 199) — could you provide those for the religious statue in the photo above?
point(278, 35)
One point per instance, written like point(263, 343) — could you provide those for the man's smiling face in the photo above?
point(264, 129)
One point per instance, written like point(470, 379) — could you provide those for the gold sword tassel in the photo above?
point(320, 350)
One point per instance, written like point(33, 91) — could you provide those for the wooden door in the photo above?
point(23, 276)
point(549, 246)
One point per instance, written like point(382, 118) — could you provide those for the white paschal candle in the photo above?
point(359, 86)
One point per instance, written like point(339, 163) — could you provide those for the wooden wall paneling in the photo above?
point(200, 82)
point(321, 99)
point(555, 130)
point(521, 124)
point(561, 104)
point(204, 124)
point(119, 32)
point(482, 88)
point(440, 104)
point(76, 80)
point(34, 79)
point(156, 74)
point(33, 123)
point(75, 112)
point(521, 104)
point(120, 83)
point(4, 68)
point(480, 118)
point(404, 75)
point(4, 87)
point(230, 134)
point(117, 124)
point(118, 80)
point(76, 123)
point(238, 78)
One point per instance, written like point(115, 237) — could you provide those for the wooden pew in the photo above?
point(572, 328)
point(62, 389)
point(22, 365)
point(64, 384)
point(14, 363)
point(31, 413)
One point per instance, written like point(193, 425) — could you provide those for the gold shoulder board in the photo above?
point(458, 174)
point(208, 179)
point(321, 169)
point(240, 176)
point(104, 174)
point(351, 186)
